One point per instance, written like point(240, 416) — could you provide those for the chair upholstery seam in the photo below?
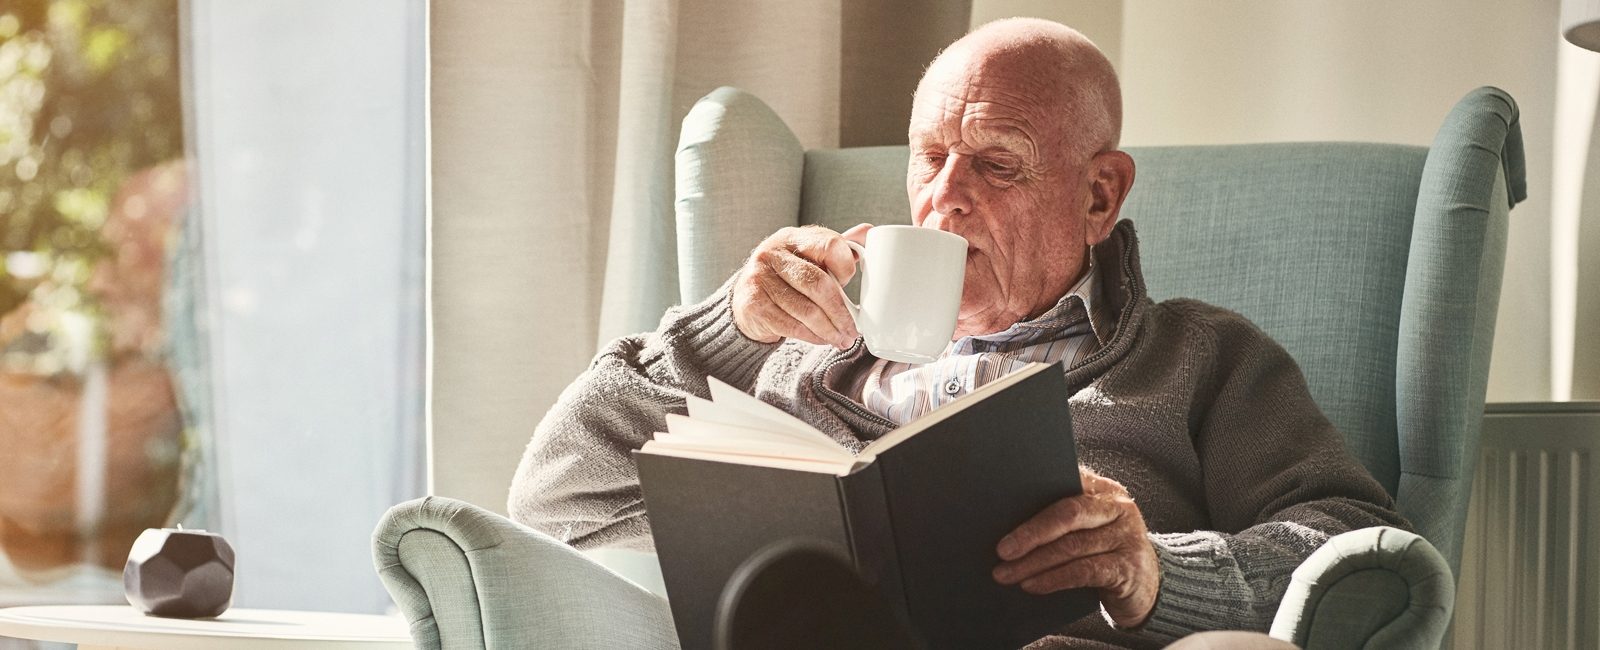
point(1310, 623)
point(482, 630)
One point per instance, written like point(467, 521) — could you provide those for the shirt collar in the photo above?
point(1072, 309)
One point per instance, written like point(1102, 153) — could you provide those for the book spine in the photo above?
point(871, 533)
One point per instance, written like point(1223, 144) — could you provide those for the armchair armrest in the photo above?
point(468, 578)
point(1376, 587)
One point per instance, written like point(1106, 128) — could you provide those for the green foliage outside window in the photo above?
point(89, 95)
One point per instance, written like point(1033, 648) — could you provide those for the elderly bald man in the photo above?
point(1209, 472)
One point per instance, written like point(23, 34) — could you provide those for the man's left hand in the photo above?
point(1096, 539)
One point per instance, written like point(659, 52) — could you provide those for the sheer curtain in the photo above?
point(306, 124)
point(553, 129)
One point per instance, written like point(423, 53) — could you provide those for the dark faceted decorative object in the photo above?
point(179, 573)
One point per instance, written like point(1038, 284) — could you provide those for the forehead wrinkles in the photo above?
point(986, 123)
point(992, 118)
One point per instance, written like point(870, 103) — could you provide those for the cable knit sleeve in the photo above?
point(577, 480)
point(1278, 483)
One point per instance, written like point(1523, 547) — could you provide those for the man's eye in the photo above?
point(933, 159)
point(996, 169)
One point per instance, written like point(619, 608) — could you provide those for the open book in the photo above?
point(919, 511)
point(735, 427)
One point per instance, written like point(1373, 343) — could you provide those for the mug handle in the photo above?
point(861, 269)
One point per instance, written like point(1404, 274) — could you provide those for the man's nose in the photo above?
point(951, 194)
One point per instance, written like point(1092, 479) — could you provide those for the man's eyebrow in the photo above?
point(980, 132)
point(931, 134)
point(1002, 136)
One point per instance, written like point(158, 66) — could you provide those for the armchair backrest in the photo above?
point(1377, 266)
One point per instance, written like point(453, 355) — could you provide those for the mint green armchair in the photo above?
point(1377, 266)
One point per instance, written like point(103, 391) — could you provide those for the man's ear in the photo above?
point(1110, 177)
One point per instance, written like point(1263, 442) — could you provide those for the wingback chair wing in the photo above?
point(1377, 266)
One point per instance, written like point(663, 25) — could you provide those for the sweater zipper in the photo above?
point(1134, 296)
point(818, 385)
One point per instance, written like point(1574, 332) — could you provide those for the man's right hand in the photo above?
point(792, 287)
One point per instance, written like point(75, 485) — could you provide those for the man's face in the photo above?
point(991, 161)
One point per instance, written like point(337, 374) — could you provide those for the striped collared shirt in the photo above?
point(1071, 331)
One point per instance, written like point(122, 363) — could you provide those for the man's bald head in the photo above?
point(1012, 145)
point(1040, 62)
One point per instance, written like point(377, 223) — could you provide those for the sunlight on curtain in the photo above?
point(554, 127)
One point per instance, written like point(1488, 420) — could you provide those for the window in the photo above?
point(93, 446)
point(212, 227)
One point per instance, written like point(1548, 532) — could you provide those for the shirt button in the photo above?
point(952, 387)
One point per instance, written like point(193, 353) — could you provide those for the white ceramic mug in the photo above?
point(911, 280)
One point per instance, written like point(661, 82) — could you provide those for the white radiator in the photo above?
point(1530, 566)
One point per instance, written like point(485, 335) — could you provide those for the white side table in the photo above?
point(120, 626)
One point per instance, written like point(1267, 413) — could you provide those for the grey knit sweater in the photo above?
point(1205, 419)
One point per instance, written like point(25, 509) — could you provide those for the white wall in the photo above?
point(1575, 259)
point(1208, 71)
point(1100, 20)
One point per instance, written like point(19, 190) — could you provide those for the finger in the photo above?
point(1094, 483)
point(857, 234)
point(774, 319)
point(822, 290)
point(749, 300)
point(815, 327)
point(1072, 513)
point(1067, 548)
point(1098, 571)
point(830, 251)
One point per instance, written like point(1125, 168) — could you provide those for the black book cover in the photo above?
point(921, 521)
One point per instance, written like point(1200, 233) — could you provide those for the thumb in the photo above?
point(858, 233)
